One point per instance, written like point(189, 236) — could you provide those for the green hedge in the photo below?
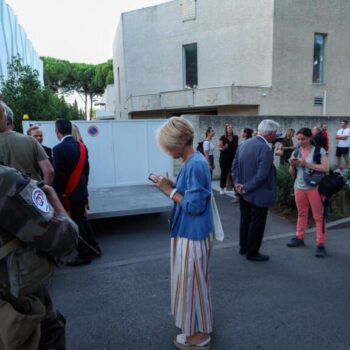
point(285, 182)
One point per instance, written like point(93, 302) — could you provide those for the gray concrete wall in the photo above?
point(201, 123)
point(295, 23)
point(250, 52)
point(230, 37)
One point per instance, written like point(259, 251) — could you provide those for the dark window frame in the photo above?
point(318, 63)
point(190, 61)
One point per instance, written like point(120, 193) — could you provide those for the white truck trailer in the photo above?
point(122, 154)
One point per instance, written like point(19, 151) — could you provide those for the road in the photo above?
point(294, 301)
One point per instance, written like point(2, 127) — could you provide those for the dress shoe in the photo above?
point(259, 257)
point(79, 261)
point(242, 251)
point(295, 242)
point(320, 251)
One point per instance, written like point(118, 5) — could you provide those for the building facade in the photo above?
point(14, 42)
point(233, 57)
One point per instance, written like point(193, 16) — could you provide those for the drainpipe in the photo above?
point(324, 108)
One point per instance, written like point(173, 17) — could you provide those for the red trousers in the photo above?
point(303, 199)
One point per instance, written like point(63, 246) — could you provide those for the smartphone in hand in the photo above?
point(152, 177)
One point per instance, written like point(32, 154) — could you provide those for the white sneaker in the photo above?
point(222, 191)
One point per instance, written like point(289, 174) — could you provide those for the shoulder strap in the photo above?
point(317, 155)
point(9, 247)
point(297, 153)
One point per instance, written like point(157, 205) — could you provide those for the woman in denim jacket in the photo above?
point(191, 239)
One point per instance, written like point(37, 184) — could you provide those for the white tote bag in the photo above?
point(217, 226)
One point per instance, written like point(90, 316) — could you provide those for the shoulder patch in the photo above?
point(40, 200)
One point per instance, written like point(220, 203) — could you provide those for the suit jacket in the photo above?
point(253, 168)
point(65, 158)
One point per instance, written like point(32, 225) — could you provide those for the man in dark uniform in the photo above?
point(34, 227)
point(70, 159)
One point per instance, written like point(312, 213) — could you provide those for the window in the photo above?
point(119, 94)
point(318, 66)
point(191, 69)
point(188, 10)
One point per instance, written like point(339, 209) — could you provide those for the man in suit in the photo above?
point(70, 159)
point(254, 177)
point(37, 133)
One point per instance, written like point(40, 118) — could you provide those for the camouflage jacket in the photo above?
point(30, 230)
point(26, 214)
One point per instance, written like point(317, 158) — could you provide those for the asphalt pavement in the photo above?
point(122, 301)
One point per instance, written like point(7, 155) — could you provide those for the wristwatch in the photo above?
point(172, 193)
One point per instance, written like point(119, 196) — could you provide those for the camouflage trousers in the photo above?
point(31, 323)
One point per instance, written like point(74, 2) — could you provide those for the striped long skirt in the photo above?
point(190, 291)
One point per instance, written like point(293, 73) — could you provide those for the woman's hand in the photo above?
point(302, 162)
point(293, 162)
point(163, 183)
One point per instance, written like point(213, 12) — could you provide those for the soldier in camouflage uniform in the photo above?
point(34, 228)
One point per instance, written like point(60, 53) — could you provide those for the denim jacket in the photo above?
point(193, 218)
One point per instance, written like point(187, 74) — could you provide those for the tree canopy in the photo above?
point(24, 94)
point(88, 80)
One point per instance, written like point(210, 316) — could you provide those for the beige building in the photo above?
point(233, 57)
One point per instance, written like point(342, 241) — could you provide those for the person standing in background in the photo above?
point(228, 144)
point(286, 147)
point(23, 152)
point(254, 176)
point(343, 138)
point(76, 133)
point(37, 133)
point(246, 134)
point(71, 162)
point(318, 137)
point(324, 128)
point(208, 148)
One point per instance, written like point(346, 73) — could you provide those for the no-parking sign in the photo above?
point(93, 130)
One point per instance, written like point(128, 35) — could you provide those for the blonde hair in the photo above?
point(176, 133)
point(76, 133)
point(32, 128)
point(289, 133)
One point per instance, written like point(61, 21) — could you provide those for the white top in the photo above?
point(299, 182)
point(209, 147)
point(64, 137)
point(346, 142)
